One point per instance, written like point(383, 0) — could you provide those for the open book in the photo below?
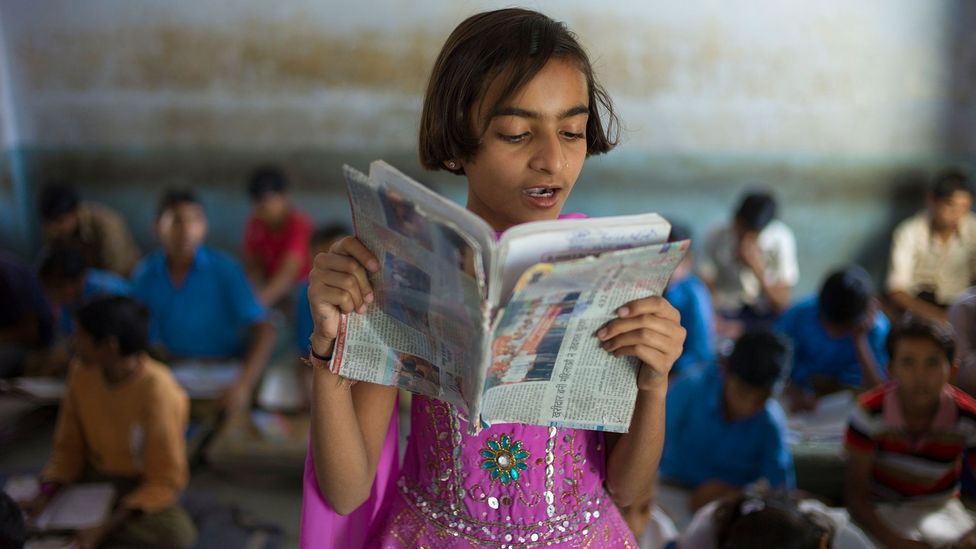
point(501, 327)
point(74, 507)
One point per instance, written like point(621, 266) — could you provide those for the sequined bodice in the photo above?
point(511, 484)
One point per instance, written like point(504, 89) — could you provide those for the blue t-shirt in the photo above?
point(690, 296)
point(209, 315)
point(816, 353)
point(97, 283)
point(701, 445)
point(303, 320)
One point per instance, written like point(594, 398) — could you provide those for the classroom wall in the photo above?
point(844, 109)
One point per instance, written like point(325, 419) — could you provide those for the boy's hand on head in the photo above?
point(339, 284)
point(750, 255)
point(649, 329)
point(867, 322)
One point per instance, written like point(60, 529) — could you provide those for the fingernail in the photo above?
point(606, 345)
point(602, 333)
point(623, 311)
point(361, 310)
point(372, 265)
point(369, 297)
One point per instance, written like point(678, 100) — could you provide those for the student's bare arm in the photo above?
point(924, 309)
point(650, 330)
point(253, 270)
point(857, 494)
point(283, 281)
point(260, 345)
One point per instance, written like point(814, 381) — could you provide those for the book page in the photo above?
point(74, 507)
point(548, 367)
point(425, 332)
point(551, 241)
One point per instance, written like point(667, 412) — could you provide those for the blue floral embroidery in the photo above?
point(505, 459)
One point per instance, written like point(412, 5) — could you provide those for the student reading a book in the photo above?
point(691, 297)
point(275, 238)
point(933, 253)
point(724, 428)
point(201, 305)
point(513, 105)
point(838, 339)
point(122, 421)
point(906, 442)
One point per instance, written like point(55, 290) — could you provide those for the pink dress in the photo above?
point(513, 485)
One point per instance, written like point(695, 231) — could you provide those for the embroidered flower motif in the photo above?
point(505, 459)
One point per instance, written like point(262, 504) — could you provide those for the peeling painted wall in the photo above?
point(843, 108)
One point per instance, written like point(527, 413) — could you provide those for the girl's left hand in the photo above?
point(649, 329)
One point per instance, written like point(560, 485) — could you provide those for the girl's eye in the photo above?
point(513, 138)
point(573, 136)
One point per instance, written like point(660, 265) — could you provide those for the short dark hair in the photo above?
point(760, 358)
point(948, 182)
point(13, 531)
point(845, 296)
point(266, 180)
point(328, 232)
point(116, 316)
point(57, 200)
point(756, 210)
point(746, 521)
point(916, 327)
point(172, 198)
point(513, 44)
point(62, 263)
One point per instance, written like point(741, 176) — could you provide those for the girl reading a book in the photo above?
point(512, 105)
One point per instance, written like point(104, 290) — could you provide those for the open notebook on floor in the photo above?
point(75, 507)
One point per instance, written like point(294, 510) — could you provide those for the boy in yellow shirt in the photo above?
point(122, 419)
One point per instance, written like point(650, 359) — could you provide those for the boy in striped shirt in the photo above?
point(905, 444)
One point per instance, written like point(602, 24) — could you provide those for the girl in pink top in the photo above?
point(513, 105)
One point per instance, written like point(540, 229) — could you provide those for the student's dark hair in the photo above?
point(266, 180)
point(512, 44)
point(916, 327)
point(328, 232)
point(62, 263)
point(948, 182)
point(116, 316)
point(176, 197)
point(13, 531)
point(749, 521)
point(756, 210)
point(57, 200)
point(760, 358)
point(845, 296)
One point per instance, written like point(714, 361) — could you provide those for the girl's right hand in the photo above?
point(338, 284)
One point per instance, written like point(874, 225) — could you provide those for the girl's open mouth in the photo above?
point(542, 197)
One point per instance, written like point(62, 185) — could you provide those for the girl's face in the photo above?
point(532, 149)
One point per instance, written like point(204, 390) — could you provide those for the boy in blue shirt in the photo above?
point(687, 293)
point(723, 429)
point(838, 339)
point(201, 305)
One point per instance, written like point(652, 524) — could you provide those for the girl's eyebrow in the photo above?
point(522, 113)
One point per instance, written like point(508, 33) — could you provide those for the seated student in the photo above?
point(962, 316)
point(276, 237)
point(932, 253)
point(838, 338)
point(26, 323)
point(122, 421)
point(102, 234)
point(200, 303)
point(322, 239)
point(905, 444)
point(68, 281)
point(750, 265)
point(723, 428)
point(687, 293)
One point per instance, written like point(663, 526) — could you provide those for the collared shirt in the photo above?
point(962, 315)
point(912, 466)
point(818, 354)
point(735, 285)
point(922, 262)
point(97, 283)
point(690, 296)
point(23, 296)
point(701, 445)
point(208, 316)
point(270, 245)
point(105, 239)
